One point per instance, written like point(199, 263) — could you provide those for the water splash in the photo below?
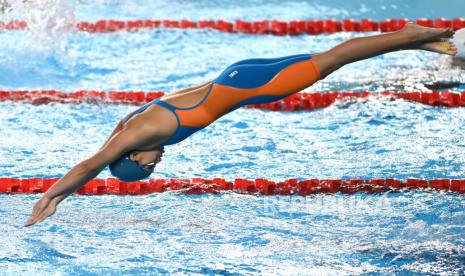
point(50, 23)
point(41, 54)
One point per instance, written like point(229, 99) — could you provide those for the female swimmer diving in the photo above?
point(136, 144)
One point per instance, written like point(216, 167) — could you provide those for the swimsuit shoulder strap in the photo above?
point(168, 106)
point(147, 105)
point(165, 105)
point(173, 110)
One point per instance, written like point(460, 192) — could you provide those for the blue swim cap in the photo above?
point(127, 170)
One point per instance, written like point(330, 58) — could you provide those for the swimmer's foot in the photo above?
point(419, 33)
point(440, 46)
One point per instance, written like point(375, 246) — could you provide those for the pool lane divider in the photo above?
point(295, 102)
point(263, 27)
point(242, 186)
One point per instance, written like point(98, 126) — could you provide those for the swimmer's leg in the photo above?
point(412, 36)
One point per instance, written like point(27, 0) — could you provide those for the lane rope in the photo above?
point(245, 186)
point(295, 102)
point(271, 27)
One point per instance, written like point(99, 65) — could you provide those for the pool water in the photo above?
point(394, 233)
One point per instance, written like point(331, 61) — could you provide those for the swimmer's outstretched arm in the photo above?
point(129, 138)
point(117, 129)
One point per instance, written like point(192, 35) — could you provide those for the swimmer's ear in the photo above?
point(133, 155)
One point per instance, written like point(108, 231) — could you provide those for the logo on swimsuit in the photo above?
point(233, 74)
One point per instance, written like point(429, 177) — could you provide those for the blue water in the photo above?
point(422, 233)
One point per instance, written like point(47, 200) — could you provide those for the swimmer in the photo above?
point(137, 143)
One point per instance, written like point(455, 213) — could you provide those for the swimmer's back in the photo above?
point(245, 82)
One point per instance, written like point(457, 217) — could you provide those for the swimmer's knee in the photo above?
point(327, 62)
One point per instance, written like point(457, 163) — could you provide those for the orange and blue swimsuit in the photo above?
point(251, 81)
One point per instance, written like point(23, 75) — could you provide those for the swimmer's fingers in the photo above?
point(47, 213)
point(43, 206)
point(39, 206)
point(30, 221)
point(50, 210)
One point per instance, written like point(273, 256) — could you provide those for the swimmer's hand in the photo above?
point(43, 209)
point(125, 140)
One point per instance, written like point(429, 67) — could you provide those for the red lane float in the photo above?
point(295, 102)
point(273, 27)
point(245, 186)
